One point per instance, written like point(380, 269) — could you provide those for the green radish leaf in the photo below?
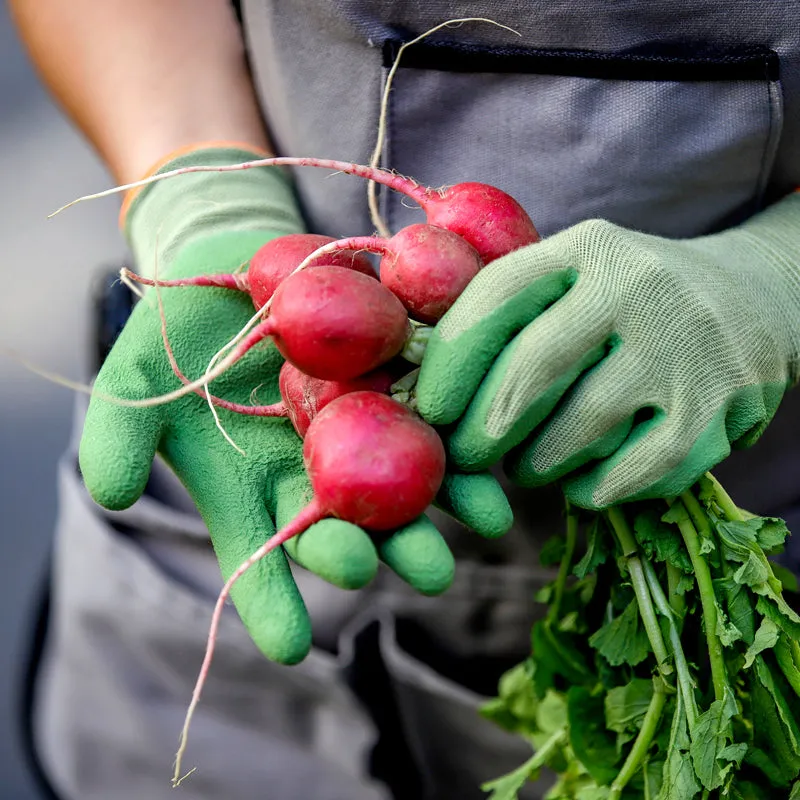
point(787, 578)
point(706, 494)
point(766, 637)
point(556, 655)
point(772, 683)
point(592, 744)
point(551, 714)
point(775, 732)
point(679, 781)
point(661, 542)
point(771, 534)
point(753, 572)
point(685, 583)
point(624, 639)
point(593, 793)
point(758, 759)
point(783, 655)
point(507, 787)
point(739, 605)
point(626, 706)
point(727, 632)
point(514, 709)
point(744, 790)
point(710, 751)
point(552, 551)
point(781, 614)
point(570, 623)
point(795, 795)
point(740, 542)
point(598, 547)
point(652, 774)
point(676, 514)
point(625, 709)
point(496, 711)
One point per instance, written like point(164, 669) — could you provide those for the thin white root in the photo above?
point(304, 519)
point(52, 377)
point(372, 188)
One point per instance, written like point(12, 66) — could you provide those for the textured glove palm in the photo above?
point(626, 362)
point(209, 223)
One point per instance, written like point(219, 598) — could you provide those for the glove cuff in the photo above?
point(161, 218)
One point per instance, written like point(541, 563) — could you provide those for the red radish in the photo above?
point(335, 324)
point(330, 322)
point(372, 462)
point(304, 397)
point(493, 222)
point(270, 264)
point(426, 267)
point(488, 218)
point(278, 258)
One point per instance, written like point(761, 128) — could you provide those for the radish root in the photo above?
point(372, 195)
point(305, 519)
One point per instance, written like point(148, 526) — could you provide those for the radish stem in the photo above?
point(640, 747)
point(399, 183)
point(237, 281)
point(685, 683)
point(630, 551)
point(566, 562)
point(708, 601)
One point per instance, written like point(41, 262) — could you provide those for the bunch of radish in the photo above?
point(344, 331)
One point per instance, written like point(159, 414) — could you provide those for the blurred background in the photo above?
point(48, 268)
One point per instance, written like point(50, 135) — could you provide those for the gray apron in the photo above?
point(672, 121)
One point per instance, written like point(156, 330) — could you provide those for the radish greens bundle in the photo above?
point(667, 665)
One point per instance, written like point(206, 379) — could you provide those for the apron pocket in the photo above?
point(456, 748)
point(442, 666)
point(675, 140)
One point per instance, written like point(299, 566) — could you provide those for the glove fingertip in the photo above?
point(116, 467)
point(289, 647)
point(441, 391)
point(338, 552)
point(420, 556)
point(477, 501)
point(268, 601)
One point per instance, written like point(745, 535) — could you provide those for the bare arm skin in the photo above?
point(143, 78)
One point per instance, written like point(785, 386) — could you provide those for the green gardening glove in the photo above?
point(626, 364)
point(207, 223)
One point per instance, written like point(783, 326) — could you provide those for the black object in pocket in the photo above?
point(112, 303)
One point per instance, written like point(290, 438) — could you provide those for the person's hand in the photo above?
point(210, 223)
point(626, 364)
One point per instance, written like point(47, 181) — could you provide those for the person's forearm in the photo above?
point(144, 78)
